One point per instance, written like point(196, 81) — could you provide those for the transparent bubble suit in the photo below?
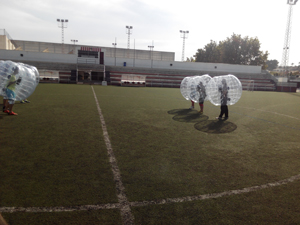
point(197, 87)
point(27, 75)
point(225, 88)
point(184, 88)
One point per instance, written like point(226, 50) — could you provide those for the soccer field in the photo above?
point(81, 154)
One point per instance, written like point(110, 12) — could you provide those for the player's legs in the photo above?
point(193, 105)
point(201, 107)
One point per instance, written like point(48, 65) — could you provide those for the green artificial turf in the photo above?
point(160, 157)
point(53, 154)
point(275, 206)
point(109, 217)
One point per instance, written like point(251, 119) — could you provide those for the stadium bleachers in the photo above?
point(154, 77)
point(173, 78)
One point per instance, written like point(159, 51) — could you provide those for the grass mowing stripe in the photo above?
point(126, 214)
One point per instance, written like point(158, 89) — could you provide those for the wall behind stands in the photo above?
point(173, 65)
point(5, 43)
point(15, 55)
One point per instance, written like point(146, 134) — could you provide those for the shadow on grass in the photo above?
point(215, 126)
point(187, 115)
point(201, 121)
point(180, 111)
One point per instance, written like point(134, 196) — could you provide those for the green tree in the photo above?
point(210, 53)
point(272, 64)
point(233, 50)
point(191, 59)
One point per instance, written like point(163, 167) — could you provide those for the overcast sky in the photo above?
point(99, 22)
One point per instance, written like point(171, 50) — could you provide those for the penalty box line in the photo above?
point(125, 209)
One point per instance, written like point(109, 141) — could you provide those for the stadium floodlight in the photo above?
point(115, 46)
point(184, 35)
point(151, 53)
point(128, 31)
point(62, 23)
point(287, 37)
point(74, 41)
point(292, 2)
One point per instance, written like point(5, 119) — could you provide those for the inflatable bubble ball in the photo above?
point(184, 88)
point(20, 78)
point(198, 88)
point(224, 90)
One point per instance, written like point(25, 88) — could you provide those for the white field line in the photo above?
point(59, 209)
point(216, 195)
point(156, 202)
point(126, 214)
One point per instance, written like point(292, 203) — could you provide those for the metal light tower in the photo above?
point(62, 23)
point(128, 31)
point(115, 46)
point(184, 34)
point(287, 36)
point(151, 53)
point(74, 41)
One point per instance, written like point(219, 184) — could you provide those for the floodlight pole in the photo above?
point(184, 34)
point(129, 28)
point(62, 23)
point(151, 53)
point(74, 41)
point(115, 46)
point(287, 36)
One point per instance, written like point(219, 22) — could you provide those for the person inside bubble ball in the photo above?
point(224, 98)
point(10, 97)
point(202, 92)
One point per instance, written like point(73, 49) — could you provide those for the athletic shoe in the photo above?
point(225, 118)
point(6, 111)
point(200, 112)
point(27, 101)
point(192, 107)
point(22, 101)
point(13, 113)
point(218, 118)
